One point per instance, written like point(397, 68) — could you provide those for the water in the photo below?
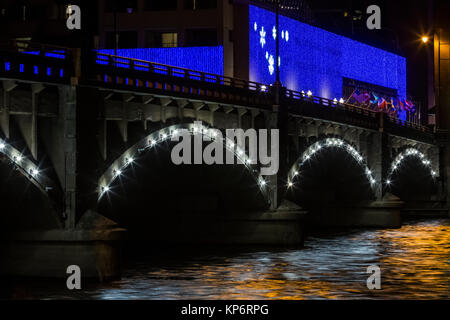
point(414, 261)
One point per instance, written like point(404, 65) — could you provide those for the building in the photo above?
point(237, 38)
point(44, 21)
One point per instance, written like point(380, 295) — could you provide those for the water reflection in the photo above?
point(414, 261)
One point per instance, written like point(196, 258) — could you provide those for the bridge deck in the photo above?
point(37, 63)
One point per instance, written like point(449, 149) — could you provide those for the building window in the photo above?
point(201, 37)
point(160, 5)
point(158, 39)
point(126, 40)
point(128, 6)
point(200, 4)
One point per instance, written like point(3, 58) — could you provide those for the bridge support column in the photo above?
point(68, 104)
point(8, 86)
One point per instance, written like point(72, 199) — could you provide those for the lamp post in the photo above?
point(437, 83)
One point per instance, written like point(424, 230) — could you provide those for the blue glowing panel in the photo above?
point(205, 59)
point(317, 60)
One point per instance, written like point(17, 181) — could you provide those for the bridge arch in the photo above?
point(409, 153)
point(27, 167)
point(29, 198)
point(294, 172)
point(125, 161)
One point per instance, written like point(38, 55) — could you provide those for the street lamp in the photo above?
point(424, 39)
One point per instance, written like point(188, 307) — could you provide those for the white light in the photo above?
point(433, 173)
point(262, 182)
point(117, 172)
point(255, 26)
point(34, 172)
point(105, 189)
point(262, 37)
point(18, 158)
point(2, 146)
point(240, 152)
point(274, 33)
point(129, 160)
point(263, 88)
point(341, 100)
point(335, 101)
point(175, 132)
point(295, 173)
point(286, 35)
point(152, 142)
point(309, 93)
point(290, 184)
point(388, 181)
point(164, 136)
point(248, 161)
point(231, 144)
point(195, 129)
point(372, 181)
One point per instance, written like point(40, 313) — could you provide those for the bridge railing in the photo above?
point(168, 70)
point(38, 49)
point(330, 103)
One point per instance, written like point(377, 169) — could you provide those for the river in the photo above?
point(414, 262)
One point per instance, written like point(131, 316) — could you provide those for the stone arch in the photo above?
point(33, 200)
point(409, 152)
point(127, 158)
point(294, 172)
point(27, 167)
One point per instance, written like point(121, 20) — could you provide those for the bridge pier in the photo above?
point(94, 245)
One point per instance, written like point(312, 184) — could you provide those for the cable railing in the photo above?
point(116, 62)
point(174, 71)
point(38, 49)
point(297, 95)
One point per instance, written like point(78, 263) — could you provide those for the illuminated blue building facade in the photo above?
point(205, 59)
point(317, 60)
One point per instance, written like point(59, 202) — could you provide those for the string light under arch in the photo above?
point(294, 172)
point(409, 152)
point(121, 164)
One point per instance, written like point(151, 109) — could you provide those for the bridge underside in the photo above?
point(74, 129)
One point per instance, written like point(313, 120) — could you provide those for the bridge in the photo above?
point(84, 136)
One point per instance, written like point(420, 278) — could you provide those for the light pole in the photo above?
point(437, 84)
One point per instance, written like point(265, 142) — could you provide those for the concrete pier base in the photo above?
point(425, 209)
point(47, 254)
point(385, 213)
point(284, 226)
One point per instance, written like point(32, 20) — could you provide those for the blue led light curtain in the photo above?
point(205, 59)
point(317, 60)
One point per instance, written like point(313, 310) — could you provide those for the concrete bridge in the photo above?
point(85, 141)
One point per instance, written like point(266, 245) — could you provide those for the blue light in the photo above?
point(7, 66)
point(61, 73)
point(204, 59)
point(36, 70)
point(21, 67)
point(318, 60)
point(49, 71)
